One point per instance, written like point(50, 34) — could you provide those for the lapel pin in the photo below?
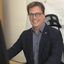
point(45, 32)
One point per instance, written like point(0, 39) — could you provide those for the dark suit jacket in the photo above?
point(50, 47)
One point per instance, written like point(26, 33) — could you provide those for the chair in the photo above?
point(53, 21)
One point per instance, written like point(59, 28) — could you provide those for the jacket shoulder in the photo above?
point(26, 32)
point(54, 30)
point(55, 33)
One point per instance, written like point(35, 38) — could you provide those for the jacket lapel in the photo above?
point(30, 44)
point(44, 37)
point(43, 42)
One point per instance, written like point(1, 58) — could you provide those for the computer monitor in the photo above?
point(3, 56)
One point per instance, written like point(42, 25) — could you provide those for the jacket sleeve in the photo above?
point(56, 51)
point(16, 48)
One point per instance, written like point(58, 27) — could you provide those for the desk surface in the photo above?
point(15, 62)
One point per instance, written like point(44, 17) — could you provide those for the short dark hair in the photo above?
point(35, 3)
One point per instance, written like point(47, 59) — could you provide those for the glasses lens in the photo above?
point(35, 14)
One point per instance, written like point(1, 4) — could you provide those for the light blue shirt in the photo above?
point(36, 40)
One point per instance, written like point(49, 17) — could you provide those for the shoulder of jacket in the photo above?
point(26, 31)
point(51, 29)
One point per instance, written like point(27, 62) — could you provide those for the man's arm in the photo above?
point(15, 49)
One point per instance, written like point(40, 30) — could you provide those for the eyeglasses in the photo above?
point(35, 14)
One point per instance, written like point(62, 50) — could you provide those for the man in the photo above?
point(41, 43)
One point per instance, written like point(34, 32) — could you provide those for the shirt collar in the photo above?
point(42, 27)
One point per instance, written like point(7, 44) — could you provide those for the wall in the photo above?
point(15, 21)
point(1, 10)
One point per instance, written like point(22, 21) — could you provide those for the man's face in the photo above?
point(36, 16)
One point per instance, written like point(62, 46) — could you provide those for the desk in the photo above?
point(15, 62)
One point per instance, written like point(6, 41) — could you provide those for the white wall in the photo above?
point(15, 21)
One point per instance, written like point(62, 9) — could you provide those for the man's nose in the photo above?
point(34, 16)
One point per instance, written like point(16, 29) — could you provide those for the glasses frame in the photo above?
point(35, 14)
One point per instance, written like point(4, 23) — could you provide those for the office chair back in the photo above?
point(52, 20)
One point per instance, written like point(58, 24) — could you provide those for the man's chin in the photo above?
point(35, 26)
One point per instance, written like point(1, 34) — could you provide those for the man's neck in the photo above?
point(36, 29)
